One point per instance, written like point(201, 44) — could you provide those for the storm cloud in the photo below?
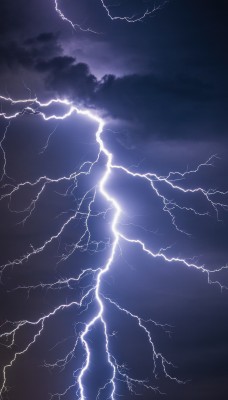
point(162, 104)
point(184, 98)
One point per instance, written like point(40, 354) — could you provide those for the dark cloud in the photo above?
point(29, 52)
point(43, 38)
point(46, 37)
point(14, 55)
point(183, 95)
point(56, 64)
point(167, 106)
point(161, 104)
point(65, 76)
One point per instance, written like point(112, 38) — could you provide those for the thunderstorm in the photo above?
point(85, 328)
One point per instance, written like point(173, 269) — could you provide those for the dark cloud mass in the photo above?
point(155, 101)
point(68, 78)
point(169, 102)
point(27, 54)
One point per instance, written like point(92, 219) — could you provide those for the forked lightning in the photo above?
point(93, 293)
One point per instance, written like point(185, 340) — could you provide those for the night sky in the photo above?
point(161, 87)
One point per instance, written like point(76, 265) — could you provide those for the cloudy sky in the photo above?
point(160, 85)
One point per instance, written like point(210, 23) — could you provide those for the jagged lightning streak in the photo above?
point(130, 19)
point(133, 18)
point(73, 24)
point(93, 292)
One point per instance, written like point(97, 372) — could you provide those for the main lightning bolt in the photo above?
point(93, 293)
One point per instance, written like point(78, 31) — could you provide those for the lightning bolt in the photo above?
point(129, 19)
point(133, 18)
point(93, 293)
point(72, 24)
